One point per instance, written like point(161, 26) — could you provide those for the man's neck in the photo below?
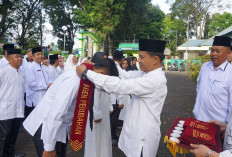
point(54, 65)
point(15, 67)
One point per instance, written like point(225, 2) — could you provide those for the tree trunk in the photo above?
point(109, 45)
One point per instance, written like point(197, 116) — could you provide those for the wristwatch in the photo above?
point(84, 74)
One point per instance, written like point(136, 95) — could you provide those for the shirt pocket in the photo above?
point(219, 87)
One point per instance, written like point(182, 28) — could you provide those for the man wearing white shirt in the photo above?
point(52, 69)
point(4, 61)
point(49, 123)
point(214, 88)
point(141, 128)
point(37, 81)
point(11, 101)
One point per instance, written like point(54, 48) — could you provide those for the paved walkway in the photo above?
point(179, 103)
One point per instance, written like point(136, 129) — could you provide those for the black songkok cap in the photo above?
point(118, 55)
point(13, 51)
point(36, 49)
point(7, 46)
point(222, 41)
point(151, 45)
point(53, 57)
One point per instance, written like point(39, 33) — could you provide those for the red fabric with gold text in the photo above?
point(81, 112)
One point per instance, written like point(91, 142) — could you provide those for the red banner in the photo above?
point(81, 112)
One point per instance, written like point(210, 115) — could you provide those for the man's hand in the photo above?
point(49, 85)
point(220, 124)
point(97, 121)
point(121, 106)
point(201, 151)
point(80, 69)
point(49, 154)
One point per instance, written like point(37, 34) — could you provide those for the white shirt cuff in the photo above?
point(49, 147)
point(225, 153)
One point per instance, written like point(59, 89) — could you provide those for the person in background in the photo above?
point(133, 63)
point(60, 67)
point(11, 103)
point(4, 61)
point(125, 64)
point(49, 49)
point(70, 62)
point(37, 81)
point(117, 102)
point(52, 69)
point(45, 61)
point(229, 58)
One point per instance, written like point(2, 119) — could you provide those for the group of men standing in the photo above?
point(23, 83)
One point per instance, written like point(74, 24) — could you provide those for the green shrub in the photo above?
point(195, 68)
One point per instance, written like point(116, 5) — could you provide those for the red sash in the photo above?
point(81, 112)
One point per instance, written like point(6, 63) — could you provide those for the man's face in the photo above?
point(15, 60)
point(219, 55)
point(38, 57)
point(147, 62)
point(29, 56)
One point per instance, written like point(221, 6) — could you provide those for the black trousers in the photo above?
point(9, 130)
point(60, 147)
point(5, 127)
point(28, 110)
point(114, 120)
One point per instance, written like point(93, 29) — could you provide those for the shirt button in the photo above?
point(142, 139)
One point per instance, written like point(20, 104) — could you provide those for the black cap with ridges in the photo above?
point(151, 45)
point(222, 41)
point(7, 46)
point(36, 49)
point(13, 51)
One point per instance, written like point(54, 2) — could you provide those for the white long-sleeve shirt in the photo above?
point(53, 73)
point(3, 62)
point(11, 93)
point(37, 81)
point(141, 128)
point(214, 92)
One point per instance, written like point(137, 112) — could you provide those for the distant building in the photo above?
point(194, 48)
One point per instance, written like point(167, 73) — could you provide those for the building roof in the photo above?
point(200, 44)
point(192, 43)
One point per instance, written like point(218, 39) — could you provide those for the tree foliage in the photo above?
point(27, 16)
point(61, 14)
point(174, 32)
point(197, 10)
point(140, 19)
point(6, 9)
point(102, 16)
point(219, 22)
